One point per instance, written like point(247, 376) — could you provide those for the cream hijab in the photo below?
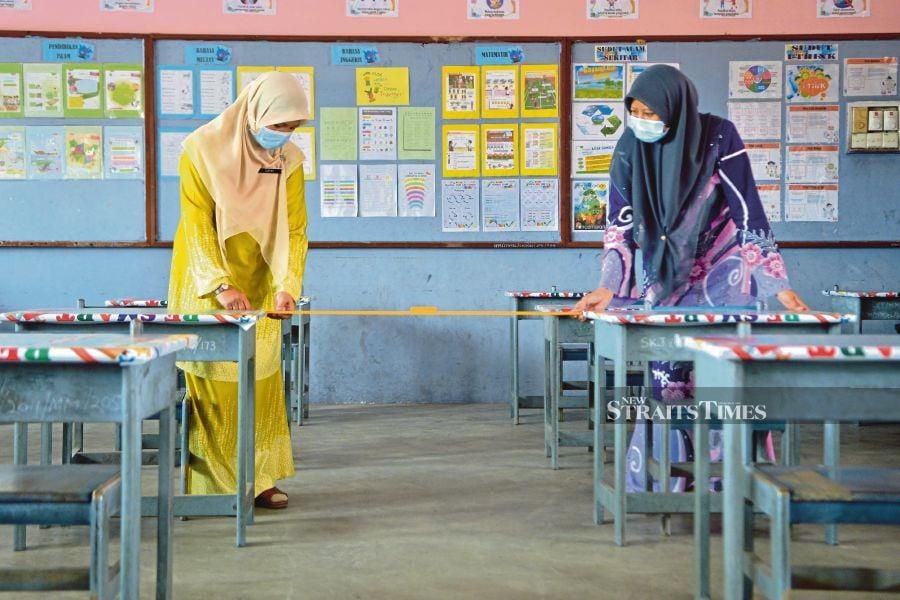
point(228, 161)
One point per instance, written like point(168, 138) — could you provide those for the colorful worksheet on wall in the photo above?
point(247, 74)
point(373, 8)
point(726, 9)
point(16, 4)
point(499, 150)
point(612, 9)
point(43, 89)
point(175, 89)
point(540, 91)
point(306, 76)
point(415, 137)
point(591, 158)
point(144, 6)
point(45, 152)
point(459, 87)
point(248, 7)
point(811, 203)
point(765, 160)
point(500, 204)
point(123, 152)
point(339, 190)
point(305, 139)
point(812, 164)
point(416, 186)
point(459, 205)
point(338, 133)
point(770, 198)
point(819, 124)
point(84, 152)
point(216, 89)
point(460, 150)
point(870, 76)
point(124, 90)
point(539, 204)
point(378, 133)
point(599, 81)
point(500, 91)
point(598, 120)
point(756, 120)
point(540, 149)
point(754, 80)
point(812, 82)
point(170, 150)
point(843, 8)
point(493, 9)
point(589, 201)
point(382, 86)
point(12, 152)
point(11, 95)
point(378, 190)
point(633, 70)
point(83, 95)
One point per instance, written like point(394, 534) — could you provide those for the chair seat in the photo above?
point(849, 484)
point(53, 483)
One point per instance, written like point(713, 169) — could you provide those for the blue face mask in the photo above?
point(646, 130)
point(269, 138)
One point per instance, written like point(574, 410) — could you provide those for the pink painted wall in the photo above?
point(447, 18)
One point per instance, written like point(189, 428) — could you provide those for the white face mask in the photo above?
point(646, 130)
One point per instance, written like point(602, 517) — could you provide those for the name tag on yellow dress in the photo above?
point(269, 170)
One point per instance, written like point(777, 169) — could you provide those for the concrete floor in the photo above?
point(448, 501)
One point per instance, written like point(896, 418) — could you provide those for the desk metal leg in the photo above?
point(548, 403)
point(733, 511)
point(514, 354)
point(599, 377)
point(554, 374)
point(166, 504)
point(130, 540)
point(701, 508)
point(620, 433)
point(20, 457)
point(245, 460)
point(298, 365)
point(832, 458)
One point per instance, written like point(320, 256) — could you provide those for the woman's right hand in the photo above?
point(595, 301)
point(234, 299)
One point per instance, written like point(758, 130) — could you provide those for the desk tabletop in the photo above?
point(89, 347)
point(859, 294)
point(560, 310)
point(550, 294)
point(671, 316)
point(797, 347)
point(87, 317)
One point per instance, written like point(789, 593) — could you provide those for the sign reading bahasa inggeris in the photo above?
point(354, 56)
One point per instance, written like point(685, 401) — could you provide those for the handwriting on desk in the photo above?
point(30, 403)
point(205, 346)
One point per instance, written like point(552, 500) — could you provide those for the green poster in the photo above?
point(124, 91)
point(416, 133)
point(43, 89)
point(10, 89)
point(338, 133)
point(83, 95)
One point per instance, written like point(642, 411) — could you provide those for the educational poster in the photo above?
point(145, 6)
point(812, 82)
point(83, 90)
point(416, 133)
point(460, 92)
point(500, 204)
point(770, 197)
point(12, 152)
point(539, 204)
point(843, 8)
point(494, 9)
point(43, 89)
point(540, 91)
point(305, 139)
point(378, 133)
point(338, 133)
point(45, 152)
point(306, 77)
point(15, 4)
point(416, 185)
point(248, 7)
point(378, 190)
point(612, 9)
point(540, 149)
point(170, 149)
point(176, 92)
point(756, 120)
point(810, 52)
point(373, 8)
point(84, 153)
point(599, 81)
point(812, 164)
point(590, 158)
point(500, 92)
point(626, 53)
point(598, 120)
point(765, 160)
point(460, 150)
point(124, 91)
point(248, 74)
point(459, 205)
point(726, 9)
point(811, 203)
point(11, 96)
point(819, 124)
point(123, 152)
point(754, 80)
point(216, 90)
point(500, 150)
point(870, 76)
point(635, 69)
point(339, 191)
point(589, 201)
point(382, 86)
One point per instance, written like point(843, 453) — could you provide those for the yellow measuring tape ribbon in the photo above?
point(419, 311)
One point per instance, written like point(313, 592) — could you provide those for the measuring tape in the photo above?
point(425, 311)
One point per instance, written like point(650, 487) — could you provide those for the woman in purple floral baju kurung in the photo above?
point(683, 192)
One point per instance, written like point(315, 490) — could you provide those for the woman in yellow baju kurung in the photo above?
point(241, 244)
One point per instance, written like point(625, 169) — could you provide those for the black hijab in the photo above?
point(662, 177)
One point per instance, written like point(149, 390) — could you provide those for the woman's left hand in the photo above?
point(792, 301)
point(283, 302)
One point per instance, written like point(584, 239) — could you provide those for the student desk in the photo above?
point(649, 334)
point(526, 302)
point(299, 363)
point(867, 306)
point(115, 378)
point(222, 336)
point(795, 378)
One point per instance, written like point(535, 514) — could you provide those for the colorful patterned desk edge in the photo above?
point(138, 302)
point(849, 294)
point(699, 318)
point(544, 294)
point(242, 320)
point(747, 350)
point(136, 351)
point(562, 310)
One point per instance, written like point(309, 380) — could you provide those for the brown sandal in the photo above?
point(265, 499)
